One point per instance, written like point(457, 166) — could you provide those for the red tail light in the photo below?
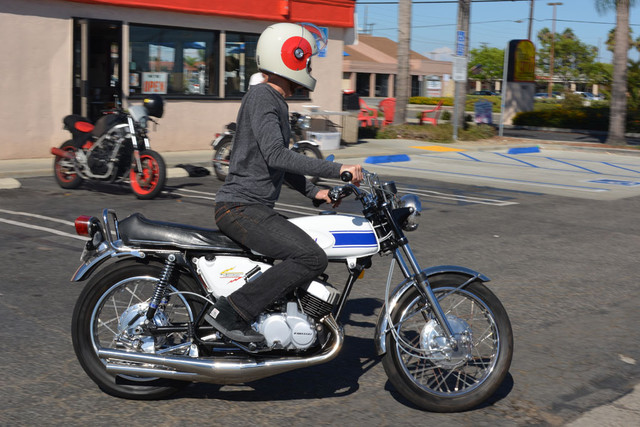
point(84, 225)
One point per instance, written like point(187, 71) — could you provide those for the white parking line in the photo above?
point(37, 227)
point(47, 218)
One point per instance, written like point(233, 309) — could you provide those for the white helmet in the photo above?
point(286, 49)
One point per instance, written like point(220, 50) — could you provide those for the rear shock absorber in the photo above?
point(161, 286)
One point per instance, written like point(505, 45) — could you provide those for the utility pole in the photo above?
point(530, 20)
point(553, 37)
point(403, 85)
point(460, 72)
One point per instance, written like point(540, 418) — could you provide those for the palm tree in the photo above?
point(618, 113)
point(403, 76)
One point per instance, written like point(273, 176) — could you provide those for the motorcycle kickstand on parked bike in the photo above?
point(139, 328)
point(115, 148)
point(223, 144)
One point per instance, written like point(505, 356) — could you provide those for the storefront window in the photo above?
point(172, 61)
point(239, 63)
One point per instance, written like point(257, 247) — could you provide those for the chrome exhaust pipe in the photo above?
point(217, 371)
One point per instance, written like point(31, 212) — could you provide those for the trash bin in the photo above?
point(350, 100)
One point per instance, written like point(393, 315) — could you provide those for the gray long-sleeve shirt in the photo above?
point(261, 159)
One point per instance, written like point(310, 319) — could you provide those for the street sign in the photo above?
point(459, 69)
point(460, 42)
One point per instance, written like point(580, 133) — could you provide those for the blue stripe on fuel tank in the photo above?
point(354, 239)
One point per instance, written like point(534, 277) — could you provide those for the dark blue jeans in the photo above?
point(265, 231)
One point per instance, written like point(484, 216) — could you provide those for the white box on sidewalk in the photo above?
point(326, 140)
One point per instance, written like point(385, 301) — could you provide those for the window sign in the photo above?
point(154, 82)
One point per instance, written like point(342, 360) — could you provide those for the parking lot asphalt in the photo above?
point(22, 168)
point(624, 411)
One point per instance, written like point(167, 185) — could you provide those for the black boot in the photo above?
point(225, 319)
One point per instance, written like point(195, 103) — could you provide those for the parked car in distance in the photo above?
point(545, 95)
point(485, 93)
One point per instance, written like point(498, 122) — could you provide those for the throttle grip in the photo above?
point(317, 203)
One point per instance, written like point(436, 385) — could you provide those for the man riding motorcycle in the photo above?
point(259, 164)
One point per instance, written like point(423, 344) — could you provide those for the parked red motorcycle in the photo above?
point(115, 148)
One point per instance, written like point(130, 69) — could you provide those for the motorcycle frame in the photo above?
point(415, 277)
point(132, 133)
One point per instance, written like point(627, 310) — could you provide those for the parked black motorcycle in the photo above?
point(223, 144)
point(113, 149)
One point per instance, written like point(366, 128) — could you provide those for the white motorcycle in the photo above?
point(139, 331)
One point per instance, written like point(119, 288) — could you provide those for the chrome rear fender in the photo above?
point(382, 327)
point(91, 264)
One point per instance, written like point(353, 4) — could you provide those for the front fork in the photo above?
point(419, 276)
point(134, 142)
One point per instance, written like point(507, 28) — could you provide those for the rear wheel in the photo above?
point(425, 369)
point(110, 313)
point(65, 169)
point(148, 182)
point(310, 150)
point(221, 157)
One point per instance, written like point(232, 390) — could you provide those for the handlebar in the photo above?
point(340, 192)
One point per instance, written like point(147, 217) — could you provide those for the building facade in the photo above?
point(370, 68)
point(73, 56)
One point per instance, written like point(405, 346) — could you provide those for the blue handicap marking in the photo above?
point(616, 182)
point(523, 150)
point(388, 159)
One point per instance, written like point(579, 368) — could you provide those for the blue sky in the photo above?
point(434, 25)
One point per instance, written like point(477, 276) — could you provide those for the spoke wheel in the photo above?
point(429, 372)
point(111, 312)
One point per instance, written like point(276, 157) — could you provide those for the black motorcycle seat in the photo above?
point(136, 230)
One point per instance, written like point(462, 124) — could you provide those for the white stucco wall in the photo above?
point(36, 83)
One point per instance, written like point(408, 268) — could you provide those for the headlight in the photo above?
point(412, 202)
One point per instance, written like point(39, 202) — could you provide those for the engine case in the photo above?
point(291, 330)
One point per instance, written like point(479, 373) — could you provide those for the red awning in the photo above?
point(329, 13)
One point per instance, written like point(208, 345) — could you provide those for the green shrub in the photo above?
point(588, 118)
point(446, 115)
point(572, 101)
point(423, 100)
point(440, 133)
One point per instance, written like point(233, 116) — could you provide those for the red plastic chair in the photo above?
point(433, 120)
point(367, 116)
point(388, 108)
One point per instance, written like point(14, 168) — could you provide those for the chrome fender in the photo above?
point(90, 265)
point(382, 327)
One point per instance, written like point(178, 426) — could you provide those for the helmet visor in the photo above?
point(319, 35)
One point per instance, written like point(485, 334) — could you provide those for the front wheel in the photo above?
point(65, 169)
point(148, 182)
point(111, 313)
point(434, 375)
point(221, 157)
point(309, 150)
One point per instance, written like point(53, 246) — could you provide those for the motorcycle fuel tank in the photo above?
point(341, 236)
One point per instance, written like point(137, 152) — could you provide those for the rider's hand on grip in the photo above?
point(354, 171)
